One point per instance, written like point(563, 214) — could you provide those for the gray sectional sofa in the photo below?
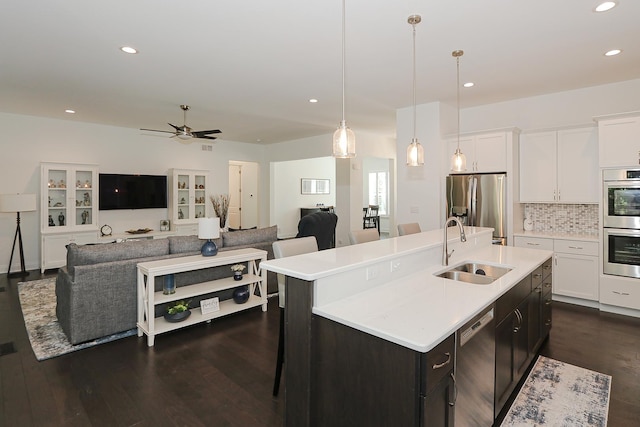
point(97, 291)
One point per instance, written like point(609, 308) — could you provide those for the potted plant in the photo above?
point(177, 311)
point(237, 271)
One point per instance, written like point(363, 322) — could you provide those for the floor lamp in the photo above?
point(17, 203)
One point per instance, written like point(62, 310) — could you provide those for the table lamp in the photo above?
point(17, 203)
point(209, 228)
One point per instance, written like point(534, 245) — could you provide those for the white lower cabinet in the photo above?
point(542, 243)
point(620, 291)
point(575, 265)
point(575, 269)
point(54, 247)
point(186, 229)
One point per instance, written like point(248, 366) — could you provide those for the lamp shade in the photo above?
point(208, 228)
point(17, 202)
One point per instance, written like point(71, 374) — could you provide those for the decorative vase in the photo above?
point(241, 294)
point(169, 284)
point(237, 275)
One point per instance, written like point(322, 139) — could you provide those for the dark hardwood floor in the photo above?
point(221, 374)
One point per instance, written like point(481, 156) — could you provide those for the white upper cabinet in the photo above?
point(485, 152)
point(559, 166)
point(188, 197)
point(619, 140)
point(69, 197)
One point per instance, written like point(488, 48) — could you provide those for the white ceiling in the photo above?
point(248, 67)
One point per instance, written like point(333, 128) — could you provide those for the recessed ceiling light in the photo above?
point(128, 49)
point(469, 84)
point(70, 111)
point(313, 100)
point(613, 52)
point(605, 5)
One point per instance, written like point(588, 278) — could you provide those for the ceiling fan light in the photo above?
point(344, 142)
point(415, 153)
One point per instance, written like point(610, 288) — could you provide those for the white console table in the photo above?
point(147, 298)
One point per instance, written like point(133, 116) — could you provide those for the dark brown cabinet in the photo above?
point(523, 318)
point(512, 352)
point(438, 404)
point(360, 379)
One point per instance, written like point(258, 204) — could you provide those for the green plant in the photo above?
point(178, 307)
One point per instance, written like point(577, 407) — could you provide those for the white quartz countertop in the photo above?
point(316, 265)
point(421, 310)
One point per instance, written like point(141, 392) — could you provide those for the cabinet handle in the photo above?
point(548, 302)
point(576, 247)
point(547, 323)
point(533, 244)
point(547, 285)
point(621, 293)
point(455, 390)
point(538, 289)
point(445, 363)
point(516, 329)
point(537, 276)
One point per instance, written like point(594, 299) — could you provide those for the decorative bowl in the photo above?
point(178, 317)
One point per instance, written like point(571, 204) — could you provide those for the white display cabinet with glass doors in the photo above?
point(68, 209)
point(188, 199)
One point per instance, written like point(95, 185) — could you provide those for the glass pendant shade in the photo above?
point(344, 142)
point(458, 161)
point(415, 153)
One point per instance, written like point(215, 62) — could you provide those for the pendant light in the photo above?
point(344, 140)
point(415, 152)
point(458, 160)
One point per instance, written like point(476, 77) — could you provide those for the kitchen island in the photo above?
point(363, 322)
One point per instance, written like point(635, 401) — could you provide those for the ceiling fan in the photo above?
point(184, 132)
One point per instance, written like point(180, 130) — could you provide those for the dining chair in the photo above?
point(282, 249)
point(409, 228)
point(363, 236)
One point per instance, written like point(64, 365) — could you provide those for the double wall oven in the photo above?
point(621, 222)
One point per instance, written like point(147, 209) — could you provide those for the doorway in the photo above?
point(243, 192)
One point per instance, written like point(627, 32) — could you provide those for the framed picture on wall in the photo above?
point(314, 186)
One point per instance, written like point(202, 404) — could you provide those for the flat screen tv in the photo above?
point(119, 191)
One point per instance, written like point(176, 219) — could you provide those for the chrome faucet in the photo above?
point(463, 238)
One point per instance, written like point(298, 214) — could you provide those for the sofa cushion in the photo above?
point(247, 237)
point(188, 244)
point(106, 252)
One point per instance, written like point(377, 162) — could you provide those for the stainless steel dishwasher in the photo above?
point(475, 371)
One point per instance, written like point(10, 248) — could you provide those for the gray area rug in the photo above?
point(559, 394)
point(38, 302)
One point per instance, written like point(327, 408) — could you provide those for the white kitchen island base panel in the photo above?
point(151, 326)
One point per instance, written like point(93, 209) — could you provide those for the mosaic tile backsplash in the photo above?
point(560, 218)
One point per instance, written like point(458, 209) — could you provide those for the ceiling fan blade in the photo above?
point(206, 132)
point(178, 128)
point(156, 130)
point(204, 137)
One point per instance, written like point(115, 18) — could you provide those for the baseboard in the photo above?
point(619, 310)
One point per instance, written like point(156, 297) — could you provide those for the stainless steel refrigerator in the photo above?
point(479, 200)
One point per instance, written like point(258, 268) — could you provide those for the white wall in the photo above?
point(420, 188)
point(349, 187)
point(286, 197)
point(26, 141)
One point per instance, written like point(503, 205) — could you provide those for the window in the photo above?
point(379, 191)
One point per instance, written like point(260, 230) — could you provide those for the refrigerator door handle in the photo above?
point(469, 201)
point(473, 193)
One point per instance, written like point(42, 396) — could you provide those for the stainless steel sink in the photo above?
point(462, 276)
point(483, 269)
point(475, 273)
